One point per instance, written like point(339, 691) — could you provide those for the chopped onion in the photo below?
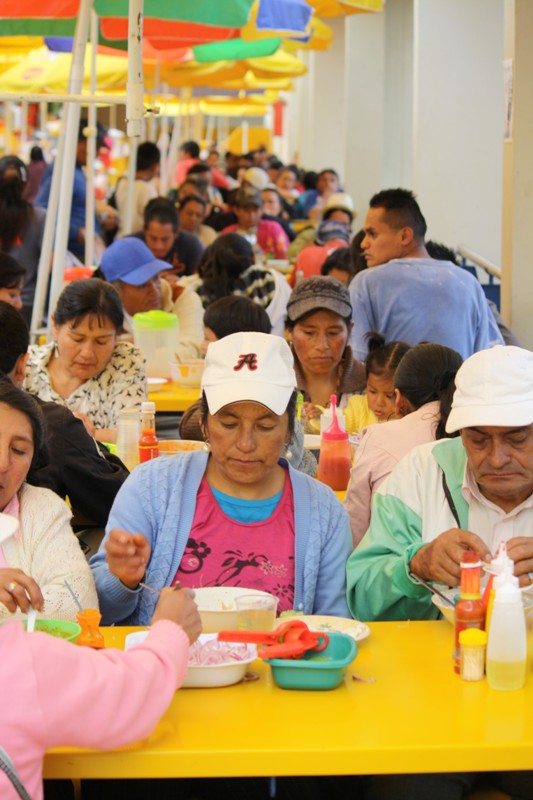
point(213, 653)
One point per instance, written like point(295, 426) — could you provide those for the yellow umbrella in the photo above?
point(43, 71)
point(221, 73)
point(337, 8)
point(13, 48)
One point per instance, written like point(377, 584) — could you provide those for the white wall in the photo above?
point(458, 121)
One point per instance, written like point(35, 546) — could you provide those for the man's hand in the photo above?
point(18, 590)
point(520, 549)
point(178, 605)
point(440, 560)
point(127, 556)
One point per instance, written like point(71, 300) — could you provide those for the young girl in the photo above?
point(377, 405)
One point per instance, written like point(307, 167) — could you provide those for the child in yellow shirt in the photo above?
point(377, 404)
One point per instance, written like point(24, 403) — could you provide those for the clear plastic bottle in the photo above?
point(507, 644)
point(148, 443)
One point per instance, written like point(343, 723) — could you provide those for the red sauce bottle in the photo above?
point(148, 443)
point(470, 609)
point(334, 463)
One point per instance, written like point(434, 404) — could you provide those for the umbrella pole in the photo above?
point(134, 96)
point(164, 147)
point(65, 175)
point(173, 150)
point(128, 222)
point(91, 151)
point(67, 167)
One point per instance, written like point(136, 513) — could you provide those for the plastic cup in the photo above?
point(256, 612)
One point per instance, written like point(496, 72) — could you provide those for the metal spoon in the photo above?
point(433, 590)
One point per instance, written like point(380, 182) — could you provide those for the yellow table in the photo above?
point(174, 397)
point(418, 715)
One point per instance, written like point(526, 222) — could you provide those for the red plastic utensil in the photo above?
point(291, 639)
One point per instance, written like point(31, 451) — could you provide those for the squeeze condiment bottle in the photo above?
point(90, 635)
point(335, 461)
point(506, 648)
point(497, 568)
point(469, 609)
point(148, 443)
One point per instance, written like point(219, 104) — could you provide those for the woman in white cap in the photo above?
point(237, 515)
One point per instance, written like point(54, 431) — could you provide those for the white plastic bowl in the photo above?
point(208, 676)
point(187, 373)
point(216, 605)
point(155, 384)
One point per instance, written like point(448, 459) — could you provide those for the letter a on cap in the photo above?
point(247, 359)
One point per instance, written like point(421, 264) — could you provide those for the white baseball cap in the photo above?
point(493, 387)
point(249, 366)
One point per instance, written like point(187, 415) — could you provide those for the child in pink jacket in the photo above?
point(53, 693)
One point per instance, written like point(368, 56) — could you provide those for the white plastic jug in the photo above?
point(156, 334)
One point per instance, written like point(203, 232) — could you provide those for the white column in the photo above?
point(517, 230)
point(320, 107)
point(364, 126)
point(457, 162)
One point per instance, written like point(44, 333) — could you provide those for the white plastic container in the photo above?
point(156, 334)
point(507, 643)
point(128, 432)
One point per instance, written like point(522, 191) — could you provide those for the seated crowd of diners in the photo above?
point(432, 387)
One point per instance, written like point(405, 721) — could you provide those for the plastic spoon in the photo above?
point(31, 618)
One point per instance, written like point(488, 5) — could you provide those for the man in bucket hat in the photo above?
point(469, 492)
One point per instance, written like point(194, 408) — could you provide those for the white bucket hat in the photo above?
point(493, 387)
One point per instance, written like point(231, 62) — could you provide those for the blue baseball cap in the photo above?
point(130, 260)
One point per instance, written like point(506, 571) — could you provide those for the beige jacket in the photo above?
point(46, 549)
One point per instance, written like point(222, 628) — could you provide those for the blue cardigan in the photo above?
point(159, 500)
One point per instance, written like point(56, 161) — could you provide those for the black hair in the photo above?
point(383, 357)
point(192, 198)
point(223, 262)
point(36, 153)
point(358, 257)
point(441, 252)
point(402, 210)
point(199, 169)
point(16, 214)
point(12, 272)
point(327, 171)
point(89, 297)
point(291, 412)
point(148, 155)
point(26, 404)
point(234, 314)
point(340, 259)
point(427, 372)
point(14, 337)
point(162, 210)
point(200, 184)
point(191, 148)
point(309, 179)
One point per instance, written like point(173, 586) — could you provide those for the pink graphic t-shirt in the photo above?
point(223, 552)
